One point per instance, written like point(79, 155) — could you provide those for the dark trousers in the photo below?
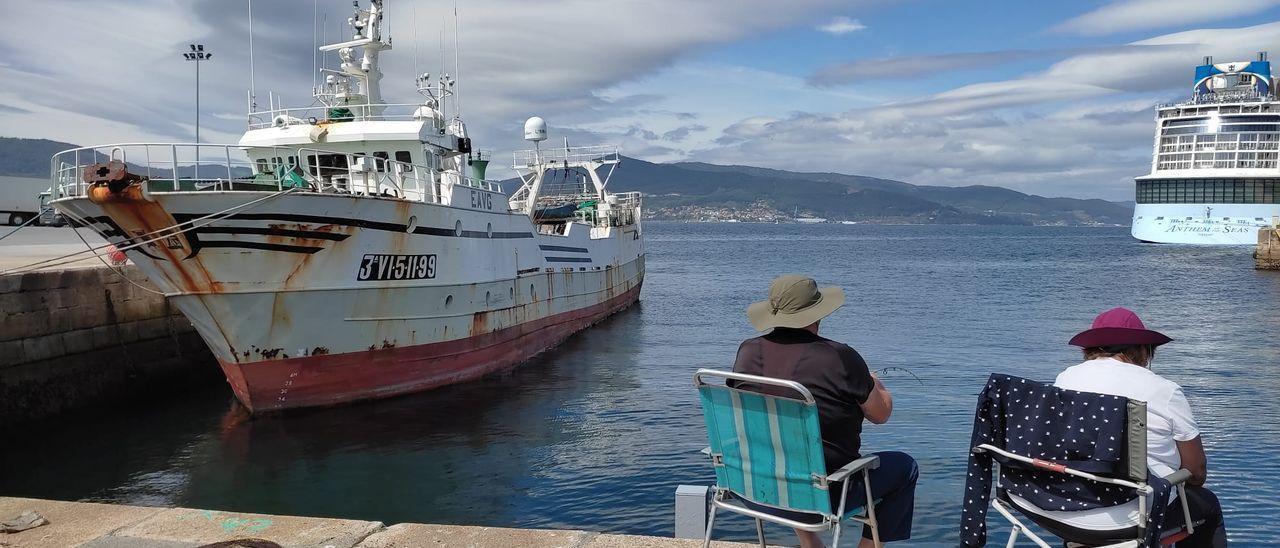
point(1204, 505)
point(894, 485)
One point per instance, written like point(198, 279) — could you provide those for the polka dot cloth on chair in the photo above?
point(1080, 430)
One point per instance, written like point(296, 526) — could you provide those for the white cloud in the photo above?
point(1082, 127)
point(1131, 15)
point(841, 25)
point(914, 66)
point(518, 58)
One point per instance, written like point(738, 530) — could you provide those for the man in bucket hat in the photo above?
point(1118, 350)
point(846, 394)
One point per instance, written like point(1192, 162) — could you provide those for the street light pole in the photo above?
point(197, 54)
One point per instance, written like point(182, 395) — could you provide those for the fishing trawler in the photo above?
point(354, 249)
point(1214, 172)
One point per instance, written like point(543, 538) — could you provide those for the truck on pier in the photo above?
point(25, 198)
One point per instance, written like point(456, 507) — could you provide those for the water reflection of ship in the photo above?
point(448, 456)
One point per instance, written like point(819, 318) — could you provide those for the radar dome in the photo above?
point(535, 129)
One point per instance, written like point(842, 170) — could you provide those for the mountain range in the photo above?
point(701, 191)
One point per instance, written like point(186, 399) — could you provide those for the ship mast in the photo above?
point(364, 70)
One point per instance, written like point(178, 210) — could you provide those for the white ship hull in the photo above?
point(314, 299)
point(1229, 224)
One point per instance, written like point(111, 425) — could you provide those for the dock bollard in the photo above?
point(691, 511)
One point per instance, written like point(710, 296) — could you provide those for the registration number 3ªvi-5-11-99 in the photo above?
point(378, 267)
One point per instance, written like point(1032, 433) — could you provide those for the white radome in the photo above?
point(535, 129)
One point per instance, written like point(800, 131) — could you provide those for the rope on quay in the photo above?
point(113, 269)
point(158, 234)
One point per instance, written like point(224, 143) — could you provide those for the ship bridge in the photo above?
point(1231, 122)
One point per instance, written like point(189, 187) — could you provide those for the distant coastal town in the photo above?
point(757, 212)
point(763, 212)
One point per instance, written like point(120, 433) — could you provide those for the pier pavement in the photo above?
point(92, 525)
point(37, 243)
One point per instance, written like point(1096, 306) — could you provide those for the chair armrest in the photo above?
point(870, 462)
point(1180, 476)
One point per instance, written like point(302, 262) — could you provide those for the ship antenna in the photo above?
point(315, 46)
point(253, 93)
point(417, 45)
point(457, 69)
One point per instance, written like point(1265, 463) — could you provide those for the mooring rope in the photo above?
point(117, 271)
point(33, 219)
point(159, 234)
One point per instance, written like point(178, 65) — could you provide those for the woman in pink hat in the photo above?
point(1118, 350)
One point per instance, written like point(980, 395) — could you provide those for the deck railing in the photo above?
point(197, 167)
point(313, 114)
point(531, 159)
point(1246, 96)
point(182, 165)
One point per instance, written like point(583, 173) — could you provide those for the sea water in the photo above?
point(598, 433)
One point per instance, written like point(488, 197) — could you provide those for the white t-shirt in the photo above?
point(1169, 416)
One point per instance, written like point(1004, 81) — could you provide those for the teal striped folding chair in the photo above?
point(767, 451)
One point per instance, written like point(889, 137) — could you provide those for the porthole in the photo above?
point(513, 292)
point(457, 228)
point(486, 297)
point(413, 223)
point(448, 301)
point(532, 296)
point(489, 230)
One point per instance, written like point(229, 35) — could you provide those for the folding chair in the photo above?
point(767, 451)
point(1121, 527)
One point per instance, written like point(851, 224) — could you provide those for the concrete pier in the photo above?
point(1267, 256)
point(93, 525)
point(76, 337)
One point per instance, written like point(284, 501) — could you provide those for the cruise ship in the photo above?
point(1214, 171)
point(353, 249)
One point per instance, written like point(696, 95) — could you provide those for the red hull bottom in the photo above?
point(315, 381)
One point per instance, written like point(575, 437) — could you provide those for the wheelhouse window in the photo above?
point(326, 166)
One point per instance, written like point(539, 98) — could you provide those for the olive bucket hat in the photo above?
point(795, 301)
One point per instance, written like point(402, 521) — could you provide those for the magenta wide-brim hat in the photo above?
point(1118, 336)
point(1118, 327)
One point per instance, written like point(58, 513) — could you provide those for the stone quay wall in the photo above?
point(1267, 256)
point(77, 338)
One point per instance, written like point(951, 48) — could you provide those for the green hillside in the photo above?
point(28, 157)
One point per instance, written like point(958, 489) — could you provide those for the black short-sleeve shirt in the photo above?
point(834, 372)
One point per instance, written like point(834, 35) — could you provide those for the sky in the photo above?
point(1049, 98)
